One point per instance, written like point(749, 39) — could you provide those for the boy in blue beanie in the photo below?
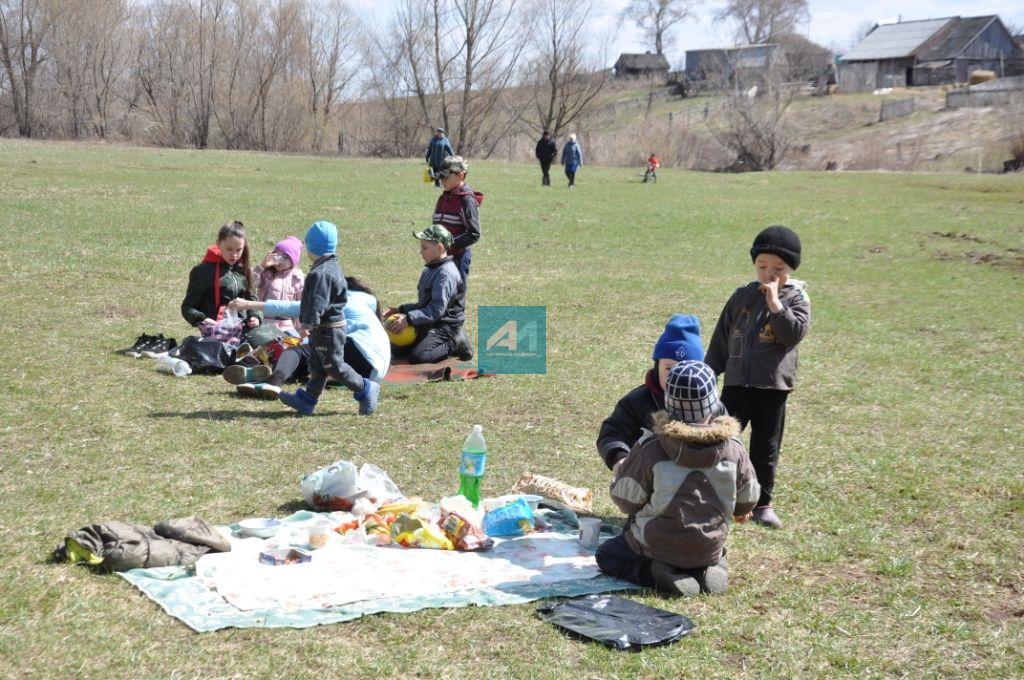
point(680, 341)
point(321, 315)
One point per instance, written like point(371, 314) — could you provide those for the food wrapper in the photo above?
point(578, 498)
point(462, 534)
point(427, 536)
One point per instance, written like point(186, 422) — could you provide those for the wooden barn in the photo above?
point(930, 52)
point(792, 58)
point(647, 65)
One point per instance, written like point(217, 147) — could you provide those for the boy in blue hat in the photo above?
point(632, 415)
point(321, 315)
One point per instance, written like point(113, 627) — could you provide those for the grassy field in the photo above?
point(900, 484)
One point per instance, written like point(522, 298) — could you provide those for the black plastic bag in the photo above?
point(204, 356)
point(616, 621)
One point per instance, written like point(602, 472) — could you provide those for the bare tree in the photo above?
point(331, 60)
point(563, 86)
point(163, 69)
point(761, 21)
point(752, 122)
point(208, 19)
point(486, 65)
point(657, 17)
point(24, 25)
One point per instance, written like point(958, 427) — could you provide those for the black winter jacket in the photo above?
point(632, 415)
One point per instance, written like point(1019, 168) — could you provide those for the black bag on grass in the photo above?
point(616, 621)
point(204, 356)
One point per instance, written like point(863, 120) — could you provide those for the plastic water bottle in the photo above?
point(179, 368)
point(471, 469)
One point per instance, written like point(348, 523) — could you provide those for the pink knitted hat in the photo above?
point(292, 247)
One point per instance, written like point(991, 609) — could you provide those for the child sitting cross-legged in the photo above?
point(679, 487)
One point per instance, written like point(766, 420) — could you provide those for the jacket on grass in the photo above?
point(680, 486)
point(755, 347)
point(121, 546)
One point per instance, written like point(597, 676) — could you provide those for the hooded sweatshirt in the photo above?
point(680, 486)
point(212, 284)
point(286, 286)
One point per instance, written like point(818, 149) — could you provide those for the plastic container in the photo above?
point(590, 532)
point(259, 527)
point(179, 368)
point(472, 465)
point(319, 534)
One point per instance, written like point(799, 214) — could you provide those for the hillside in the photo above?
point(841, 128)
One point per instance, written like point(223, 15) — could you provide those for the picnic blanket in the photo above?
point(345, 581)
point(402, 373)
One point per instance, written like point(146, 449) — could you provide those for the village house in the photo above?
point(930, 52)
point(647, 65)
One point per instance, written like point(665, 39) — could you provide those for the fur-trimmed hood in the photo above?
point(694, 445)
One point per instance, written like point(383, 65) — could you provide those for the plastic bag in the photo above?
point(204, 356)
point(428, 176)
point(514, 519)
point(616, 621)
point(339, 485)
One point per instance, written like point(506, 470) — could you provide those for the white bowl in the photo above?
point(260, 527)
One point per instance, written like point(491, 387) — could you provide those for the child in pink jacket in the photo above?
point(278, 277)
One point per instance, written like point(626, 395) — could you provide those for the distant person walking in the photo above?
point(547, 151)
point(572, 159)
point(438, 149)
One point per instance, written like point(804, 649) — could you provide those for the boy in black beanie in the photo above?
point(755, 345)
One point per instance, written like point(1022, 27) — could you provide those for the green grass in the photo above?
point(900, 483)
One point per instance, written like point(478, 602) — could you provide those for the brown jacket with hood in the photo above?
point(680, 486)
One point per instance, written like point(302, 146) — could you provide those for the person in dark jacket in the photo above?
point(547, 152)
point(438, 149)
point(458, 211)
point(321, 313)
point(632, 415)
point(440, 308)
point(679, 487)
point(755, 345)
point(224, 274)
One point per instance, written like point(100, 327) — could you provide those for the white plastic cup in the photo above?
point(590, 532)
point(179, 368)
point(318, 534)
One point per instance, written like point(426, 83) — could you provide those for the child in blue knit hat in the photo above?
point(632, 415)
point(322, 316)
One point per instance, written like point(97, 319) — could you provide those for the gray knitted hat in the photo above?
point(690, 394)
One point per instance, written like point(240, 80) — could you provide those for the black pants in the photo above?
point(616, 558)
point(545, 167)
point(327, 360)
point(765, 410)
point(293, 364)
point(571, 174)
point(436, 344)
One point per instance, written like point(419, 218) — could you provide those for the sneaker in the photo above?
point(141, 343)
point(716, 578)
point(236, 374)
point(159, 345)
point(463, 350)
point(300, 401)
point(268, 391)
point(248, 390)
point(368, 397)
point(766, 517)
point(673, 580)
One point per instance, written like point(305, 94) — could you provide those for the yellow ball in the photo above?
point(403, 338)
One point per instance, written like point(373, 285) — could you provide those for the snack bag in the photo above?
point(463, 534)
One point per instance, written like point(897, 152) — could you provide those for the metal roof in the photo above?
point(895, 41)
point(955, 39)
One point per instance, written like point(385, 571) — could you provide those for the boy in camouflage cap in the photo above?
point(440, 309)
point(457, 210)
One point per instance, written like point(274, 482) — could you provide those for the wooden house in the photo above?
point(929, 52)
point(647, 65)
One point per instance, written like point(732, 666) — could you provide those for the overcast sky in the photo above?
point(832, 23)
